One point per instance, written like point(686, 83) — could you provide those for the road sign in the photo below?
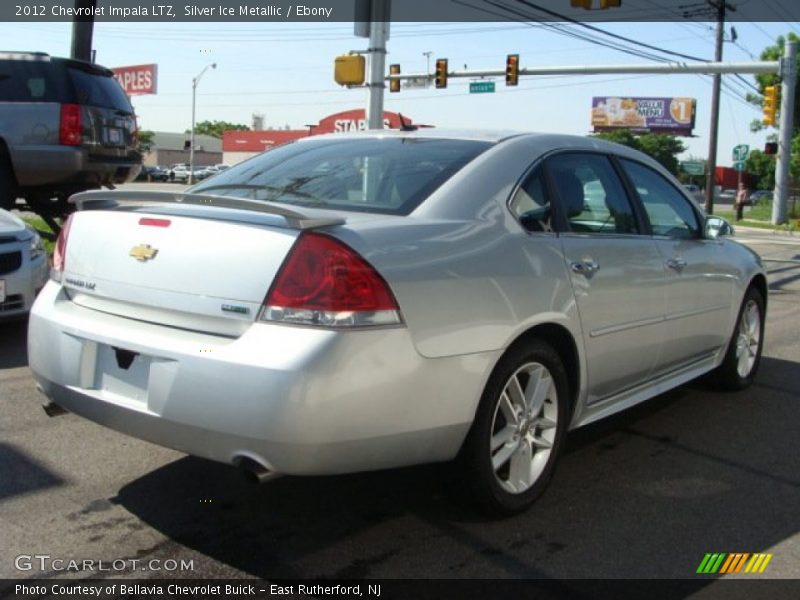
point(739, 165)
point(693, 167)
point(417, 83)
point(481, 87)
point(740, 152)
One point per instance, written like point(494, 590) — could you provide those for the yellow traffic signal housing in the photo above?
point(394, 84)
point(512, 69)
point(770, 104)
point(587, 4)
point(349, 69)
point(441, 73)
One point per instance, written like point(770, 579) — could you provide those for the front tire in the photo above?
point(511, 450)
point(743, 356)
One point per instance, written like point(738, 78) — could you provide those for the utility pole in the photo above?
point(713, 134)
point(82, 29)
point(378, 34)
point(789, 76)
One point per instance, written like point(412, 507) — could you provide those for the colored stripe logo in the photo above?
point(736, 562)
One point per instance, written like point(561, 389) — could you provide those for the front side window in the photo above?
point(381, 175)
point(591, 194)
point(669, 212)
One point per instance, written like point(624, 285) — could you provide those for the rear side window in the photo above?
point(32, 81)
point(591, 194)
point(389, 175)
point(531, 205)
point(98, 90)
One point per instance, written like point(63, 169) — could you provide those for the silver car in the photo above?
point(354, 302)
point(23, 266)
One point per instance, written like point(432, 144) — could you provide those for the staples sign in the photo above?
point(136, 80)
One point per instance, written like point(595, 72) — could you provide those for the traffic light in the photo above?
point(349, 69)
point(441, 73)
point(770, 104)
point(587, 4)
point(512, 69)
point(771, 148)
point(394, 84)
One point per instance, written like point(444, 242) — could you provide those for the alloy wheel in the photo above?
point(524, 427)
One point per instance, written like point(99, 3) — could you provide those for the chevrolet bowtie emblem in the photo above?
point(143, 252)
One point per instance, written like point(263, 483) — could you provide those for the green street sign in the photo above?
point(740, 152)
point(693, 167)
point(481, 87)
point(739, 165)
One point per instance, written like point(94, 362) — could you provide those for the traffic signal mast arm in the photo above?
point(644, 69)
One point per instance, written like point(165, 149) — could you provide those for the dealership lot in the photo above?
point(644, 494)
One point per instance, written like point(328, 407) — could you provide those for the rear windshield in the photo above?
point(32, 81)
point(49, 81)
point(98, 90)
point(388, 175)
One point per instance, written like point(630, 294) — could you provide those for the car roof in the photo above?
point(542, 141)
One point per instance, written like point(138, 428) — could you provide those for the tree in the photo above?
point(761, 168)
point(145, 141)
point(662, 147)
point(215, 128)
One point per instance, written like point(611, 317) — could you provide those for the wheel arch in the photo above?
point(563, 342)
point(5, 156)
point(759, 282)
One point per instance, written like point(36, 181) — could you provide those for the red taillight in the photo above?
point(324, 282)
point(69, 130)
point(150, 222)
point(60, 251)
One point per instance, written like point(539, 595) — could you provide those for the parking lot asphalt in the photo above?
point(644, 494)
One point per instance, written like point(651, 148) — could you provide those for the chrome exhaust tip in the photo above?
point(254, 471)
point(51, 409)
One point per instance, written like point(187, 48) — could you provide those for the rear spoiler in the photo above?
point(102, 199)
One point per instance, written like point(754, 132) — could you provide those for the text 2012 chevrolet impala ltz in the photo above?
point(354, 302)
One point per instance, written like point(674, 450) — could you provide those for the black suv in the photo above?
point(65, 126)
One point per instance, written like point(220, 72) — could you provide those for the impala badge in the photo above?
point(143, 252)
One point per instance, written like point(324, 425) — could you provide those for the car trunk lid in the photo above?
point(190, 264)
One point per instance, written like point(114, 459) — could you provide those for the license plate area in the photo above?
point(122, 373)
point(114, 136)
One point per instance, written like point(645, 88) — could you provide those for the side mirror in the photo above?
point(716, 227)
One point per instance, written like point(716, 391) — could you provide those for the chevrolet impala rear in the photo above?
point(247, 330)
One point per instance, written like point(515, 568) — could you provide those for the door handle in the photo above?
point(676, 263)
point(584, 267)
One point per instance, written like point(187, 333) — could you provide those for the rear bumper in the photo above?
point(299, 401)
point(69, 168)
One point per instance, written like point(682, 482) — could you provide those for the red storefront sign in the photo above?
point(350, 120)
point(138, 79)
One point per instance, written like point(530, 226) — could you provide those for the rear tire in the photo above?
point(511, 450)
point(8, 188)
point(743, 356)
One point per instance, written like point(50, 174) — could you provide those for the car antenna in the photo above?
point(405, 125)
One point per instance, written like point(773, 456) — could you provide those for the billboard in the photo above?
point(138, 79)
point(644, 115)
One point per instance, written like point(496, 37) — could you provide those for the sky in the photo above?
point(285, 72)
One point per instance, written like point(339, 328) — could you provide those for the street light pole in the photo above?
point(195, 81)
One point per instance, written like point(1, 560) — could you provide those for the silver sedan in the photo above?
point(354, 302)
point(23, 266)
